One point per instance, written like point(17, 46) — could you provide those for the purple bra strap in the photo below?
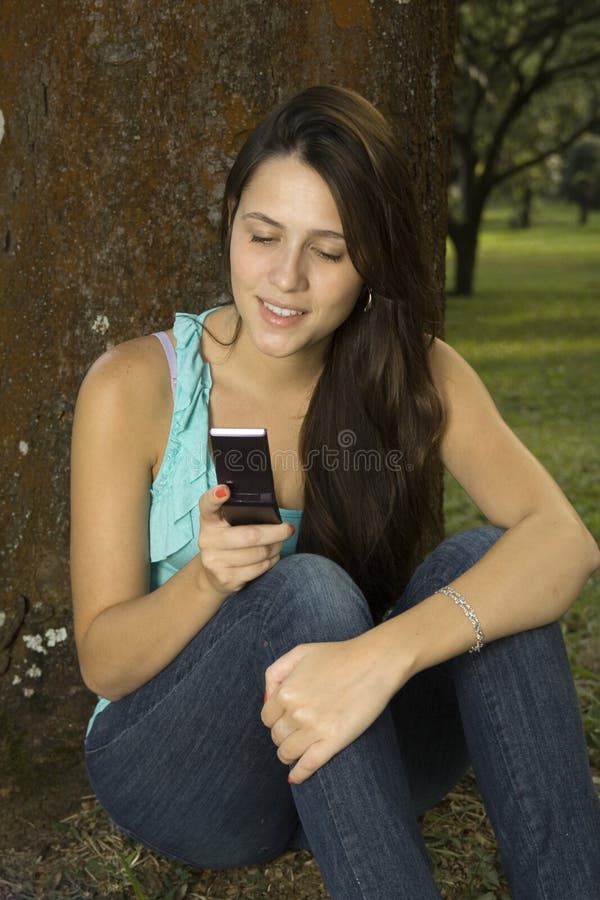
point(169, 349)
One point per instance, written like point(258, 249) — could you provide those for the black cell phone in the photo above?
point(243, 463)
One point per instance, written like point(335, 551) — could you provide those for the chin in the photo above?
point(278, 349)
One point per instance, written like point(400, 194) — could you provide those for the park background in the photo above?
point(118, 123)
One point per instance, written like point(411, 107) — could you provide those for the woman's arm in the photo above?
point(124, 632)
point(535, 571)
point(529, 577)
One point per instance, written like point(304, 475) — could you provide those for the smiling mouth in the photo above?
point(282, 311)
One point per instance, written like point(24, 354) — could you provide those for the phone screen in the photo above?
point(243, 462)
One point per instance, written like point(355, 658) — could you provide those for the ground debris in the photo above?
point(87, 858)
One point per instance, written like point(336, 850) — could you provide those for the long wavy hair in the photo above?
point(375, 404)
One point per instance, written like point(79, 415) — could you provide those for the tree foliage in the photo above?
point(526, 88)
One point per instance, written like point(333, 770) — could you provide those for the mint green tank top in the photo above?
point(187, 469)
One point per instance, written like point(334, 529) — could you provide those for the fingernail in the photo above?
point(221, 492)
point(293, 527)
point(290, 780)
point(265, 698)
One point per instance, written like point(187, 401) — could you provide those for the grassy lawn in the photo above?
point(532, 331)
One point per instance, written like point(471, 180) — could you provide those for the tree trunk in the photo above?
point(464, 237)
point(121, 118)
point(525, 208)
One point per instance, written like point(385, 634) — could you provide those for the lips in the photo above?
point(275, 307)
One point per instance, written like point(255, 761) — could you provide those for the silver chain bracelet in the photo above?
point(469, 613)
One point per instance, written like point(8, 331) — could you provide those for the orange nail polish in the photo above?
point(221, 492)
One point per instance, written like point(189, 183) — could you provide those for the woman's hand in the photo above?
point(321, 697)
point(232, 556)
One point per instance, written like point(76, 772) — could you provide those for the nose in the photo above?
point(288, 272)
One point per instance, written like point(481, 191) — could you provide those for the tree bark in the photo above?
point(121, 119)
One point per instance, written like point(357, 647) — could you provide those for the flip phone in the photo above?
point(243, 463)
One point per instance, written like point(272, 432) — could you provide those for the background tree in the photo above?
point(522, 190)
point(581, 178)
point(526, 88)
point(120, 122)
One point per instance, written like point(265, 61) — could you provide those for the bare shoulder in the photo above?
point(446, 364)
point(481, 451)
point(457, 382)
point(132, 373)
point(135, 365)
point(128, 390)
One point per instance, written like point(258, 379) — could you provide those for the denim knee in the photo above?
point(459, 551)
point(312, 598)
point(448, 560)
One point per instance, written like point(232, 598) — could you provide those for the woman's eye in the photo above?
point(331, 257)
point(260, 239)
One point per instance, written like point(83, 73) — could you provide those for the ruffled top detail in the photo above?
point(187, 469)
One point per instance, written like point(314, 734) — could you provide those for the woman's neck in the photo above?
point(297, 373)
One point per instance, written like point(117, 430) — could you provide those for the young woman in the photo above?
point(315, 683)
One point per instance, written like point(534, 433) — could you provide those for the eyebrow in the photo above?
point(318, 232)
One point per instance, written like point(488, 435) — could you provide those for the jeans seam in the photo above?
point(318, 773)
point(272, 657)
point(339, 837)
point(476, 668)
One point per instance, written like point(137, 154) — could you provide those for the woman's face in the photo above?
point(292, 278)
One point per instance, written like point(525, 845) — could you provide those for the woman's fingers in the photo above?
point(305, 752)
point(245, 556)
point(234, 538)
point(305, 749)
point(239, 537)
point(222, 534)
point(316, 756)
point(278, 671)
point(234, 555)
point(291, 742)
point(211, 502)
point(234, 578)
point(281, 735)
point(235, 568)
point(323, 696)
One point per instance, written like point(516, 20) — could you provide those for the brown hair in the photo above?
point(375, 403)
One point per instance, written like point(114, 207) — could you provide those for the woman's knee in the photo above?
point(316, 597)
point(540, 650)
point(448, 560)
point(459, 551)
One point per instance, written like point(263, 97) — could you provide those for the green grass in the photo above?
point(532, 331)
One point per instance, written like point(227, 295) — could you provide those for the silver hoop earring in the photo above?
point(369, 302)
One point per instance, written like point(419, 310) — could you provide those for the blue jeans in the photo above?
point(185, 765)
